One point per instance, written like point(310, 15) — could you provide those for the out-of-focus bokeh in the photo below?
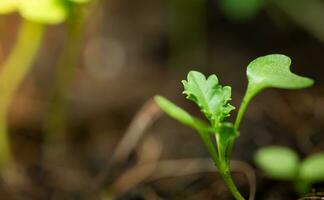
point(108, 140)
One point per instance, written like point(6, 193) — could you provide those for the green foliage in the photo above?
point(211, 97)
point(270, 71)
point(278, 162)
point(213, 101)
point(225, 136)
point(312, 168)
point(41, 11)
point(181, 115)
point(282, 163)
point(274, 71)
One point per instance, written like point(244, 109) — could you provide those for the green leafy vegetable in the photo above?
point(312, 168)
point(278, 162)
point(211, 97)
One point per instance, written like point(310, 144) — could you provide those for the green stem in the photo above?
point(230, 183)
point(251, 91)
point(13, 73)
point(56, 120)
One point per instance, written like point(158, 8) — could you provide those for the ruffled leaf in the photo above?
point(212, 98)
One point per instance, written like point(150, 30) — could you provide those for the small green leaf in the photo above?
point(179, 114)
point(225, 136)
point(266, 72)
point(274, 71)
point(278, 162)
point(211, 97)
point(8, 6)
point(44, 11)
point(312, 168)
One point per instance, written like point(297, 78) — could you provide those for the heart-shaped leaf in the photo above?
point(271, 71)
point(274, 71)
point(278, 162)
point(312, 168)
point(211, 97)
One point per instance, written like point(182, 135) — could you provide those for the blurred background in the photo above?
point(109, 139)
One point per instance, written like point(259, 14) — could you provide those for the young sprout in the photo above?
point(282, 163)
point(213, 101)
point(36, 15)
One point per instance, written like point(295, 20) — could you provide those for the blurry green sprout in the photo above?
point(41, 11)
point(282, 163)
point(271, 71)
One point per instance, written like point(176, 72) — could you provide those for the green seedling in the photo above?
point(282, 163)
point(36, 14)
point(271, 71)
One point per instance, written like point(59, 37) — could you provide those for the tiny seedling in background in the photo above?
point(271, 71)
point(282, 163)
point(36, 15)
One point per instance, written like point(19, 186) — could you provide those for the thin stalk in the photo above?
point(12, 74)
point(56, 119)
point(251, 91)
point(230, 184)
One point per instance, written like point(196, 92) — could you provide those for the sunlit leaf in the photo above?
point(7, 6)
point(212, 98)
point(44, 11)
point(278, 162)
point(312, 168)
